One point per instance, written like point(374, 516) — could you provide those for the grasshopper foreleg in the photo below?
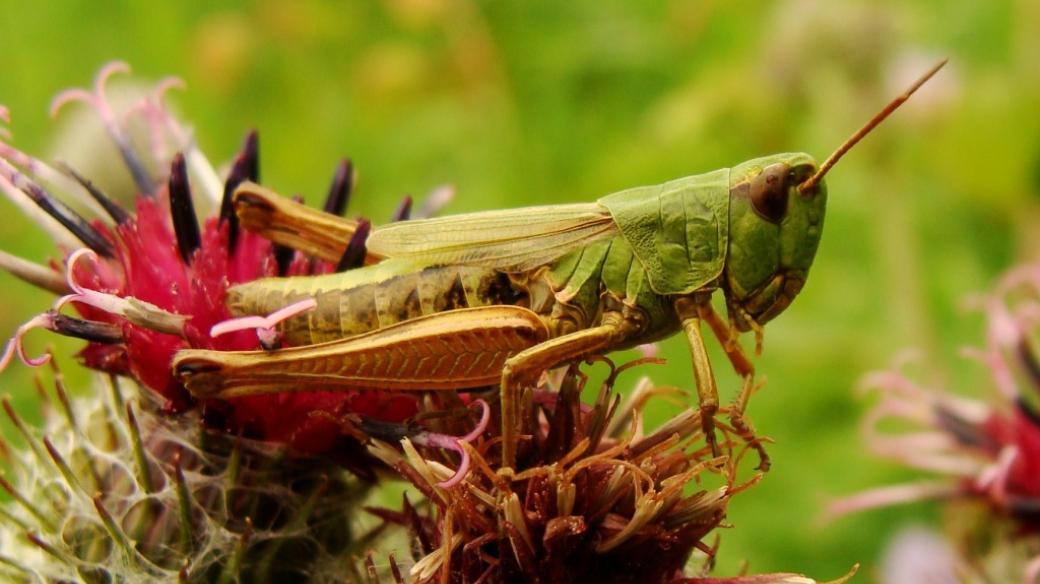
point(746, 370)
point(689, 311)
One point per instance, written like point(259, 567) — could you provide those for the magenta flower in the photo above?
point(149, 282)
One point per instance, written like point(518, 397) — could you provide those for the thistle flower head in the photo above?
point(151, 281)
point(112, 490)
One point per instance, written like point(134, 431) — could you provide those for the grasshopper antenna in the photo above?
point(833, 159)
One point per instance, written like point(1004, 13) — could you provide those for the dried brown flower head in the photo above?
point(593, 497)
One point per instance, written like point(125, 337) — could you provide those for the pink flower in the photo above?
point(153, 281)
point(987, 449)
point(982, 450)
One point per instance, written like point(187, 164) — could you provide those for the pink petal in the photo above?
point(886, 496)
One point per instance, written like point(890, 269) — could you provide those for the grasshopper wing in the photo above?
point(510, 240)
point(286, 222)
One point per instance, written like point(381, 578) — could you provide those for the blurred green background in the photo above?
point(520, 103)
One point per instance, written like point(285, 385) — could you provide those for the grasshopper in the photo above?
point(498, 297)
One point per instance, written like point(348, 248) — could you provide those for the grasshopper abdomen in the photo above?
point(349, 306)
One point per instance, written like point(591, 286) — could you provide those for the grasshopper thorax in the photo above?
point(774, 230)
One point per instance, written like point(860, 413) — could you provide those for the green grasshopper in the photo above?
point(498, 297)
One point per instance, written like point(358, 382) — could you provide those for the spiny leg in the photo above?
point(746, 370)
point(689, 311)
point(528, 364)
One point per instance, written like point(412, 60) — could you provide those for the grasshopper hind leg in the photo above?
point(457, 349)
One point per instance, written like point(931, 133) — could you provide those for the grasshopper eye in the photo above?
point(769, 193)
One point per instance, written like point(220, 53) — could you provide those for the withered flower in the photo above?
point(593, 497)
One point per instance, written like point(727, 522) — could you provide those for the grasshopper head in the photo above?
point(774, 230)
point(775, 216)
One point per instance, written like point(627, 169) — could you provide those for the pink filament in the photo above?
point(455, 443)
point(262, 324)
point(108, 302)
point(5, 117)
point(158, 118)
point(886, 496)
point(14, 345)
point(95, 98)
